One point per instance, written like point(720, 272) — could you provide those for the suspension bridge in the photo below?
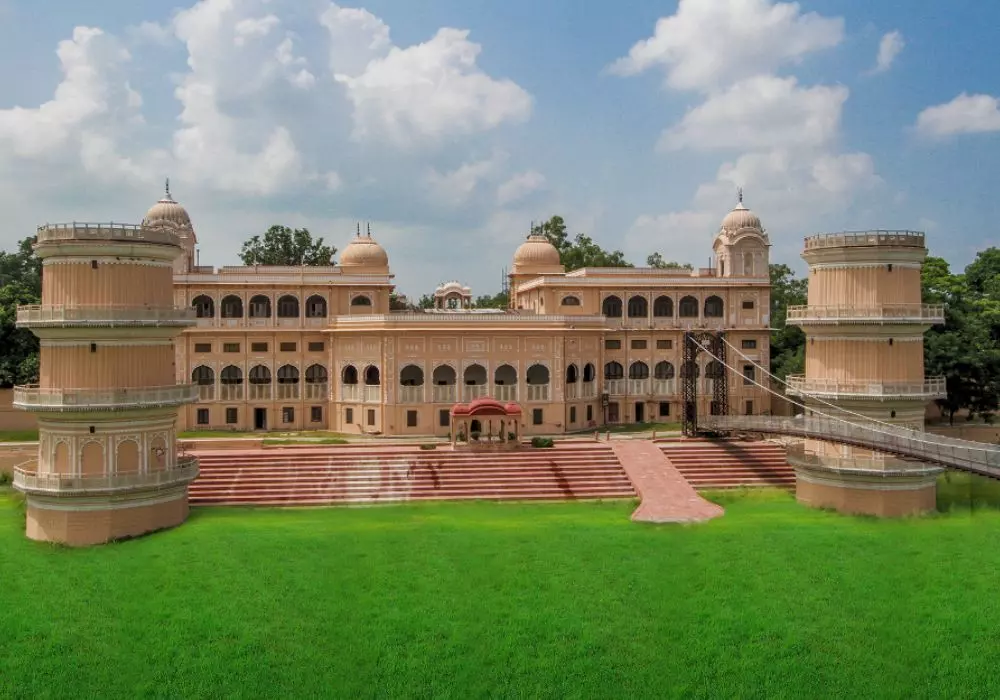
point(838, 426)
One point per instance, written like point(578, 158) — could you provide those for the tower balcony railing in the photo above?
point(859, 313)
point(62, 315)
point(33, 482)
point(87, 231)
point(36, 398)
point(910, 239)
point(930, 388)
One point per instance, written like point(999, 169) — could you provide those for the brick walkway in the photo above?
point(666, 496)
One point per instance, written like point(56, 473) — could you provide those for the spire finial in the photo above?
point(369, 224)
point(167, 188)
point(357, 232)
point(739, 194)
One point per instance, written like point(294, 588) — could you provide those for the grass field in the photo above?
point(470, 600)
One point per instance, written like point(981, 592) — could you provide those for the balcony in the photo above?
point(664, 387)
point(927, 390)
point(615, 387)
point(260, 392)
point(505, 392)
point(39, 316)
point(35, 398)
point(869, 315)
point(317, 390)
point(231, 392)
point(445, 393)
point(538, 392)
point(32, 482)
point(471, 392)
point(361, 392)
point(909, 239)
point(638, 387)
point(411, 394)
point(82, 231)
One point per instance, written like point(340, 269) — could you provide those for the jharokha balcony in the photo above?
point(39, 316)
point(35, 398)
point(33, 482)
point(927, 390)
point(876, 314)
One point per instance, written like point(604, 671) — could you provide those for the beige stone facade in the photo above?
point(300, 348)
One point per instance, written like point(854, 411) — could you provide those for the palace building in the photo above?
point(301, 348)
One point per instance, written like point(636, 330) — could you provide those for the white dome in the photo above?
point(741, 217)
point(167, 211)
point(364, 251)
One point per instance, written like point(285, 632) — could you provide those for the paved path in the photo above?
point(666, 496)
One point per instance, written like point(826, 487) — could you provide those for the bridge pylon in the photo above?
point(714, 343)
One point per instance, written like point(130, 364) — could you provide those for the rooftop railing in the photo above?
point(35, 398)
point(85, 231)
point(930, 388)
point(924, 313)
point(37, 314)
point(910, 239)
point(31, 481)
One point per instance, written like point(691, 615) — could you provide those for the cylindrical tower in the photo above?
point(864, 327)
point(106, 399)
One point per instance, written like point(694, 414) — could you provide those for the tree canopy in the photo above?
point(788, 343)
point(285, 246)
point(20, 283)
point(966, 349)
point(581, 251)
point(656, 261)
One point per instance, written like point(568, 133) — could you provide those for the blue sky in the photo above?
point(451, 124)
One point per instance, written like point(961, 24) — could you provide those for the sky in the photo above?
point(451, 125)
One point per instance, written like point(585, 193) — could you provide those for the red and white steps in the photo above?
point(323, 475)
point(724, 464)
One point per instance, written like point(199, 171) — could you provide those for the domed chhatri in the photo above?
point(364, 251)
point(741, 217)
point(167, 211)
point(536, 251)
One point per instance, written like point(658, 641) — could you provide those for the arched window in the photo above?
point(612, 307)
point(713, 307)
point(537, 374)
point(288, 374)
point(260, 307)
point(316, 374)
point(474, 375)
point(372, 376)
point(572, 374)
point(613, 370)
point(714, 370)
point(505, 375)
point(663, 307)
point(349, 375)
point(288, 307)
point(690, 369)
point(443, 376)
point(315, 307)
point(638, 370)
point(361, 300)
point(203, 376)
point(688, 308)
point(638, 307)
point(748, 264)
point(232, 307)
point(231, 375)
point(570, 301)
point(663, 370)
point(260, 375)
point(204, 306)
point(411, 375)
point(589, 373)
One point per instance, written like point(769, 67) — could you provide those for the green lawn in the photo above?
point(18, 435)
point(260, 434)
point(473, 600)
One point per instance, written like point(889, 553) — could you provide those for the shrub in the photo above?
point(460, 437)
point(542, 442)
point(428, 446)
point(5, 479)
point(511, 436)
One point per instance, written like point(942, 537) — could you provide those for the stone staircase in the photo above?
point(324, 475)
point(724, 464)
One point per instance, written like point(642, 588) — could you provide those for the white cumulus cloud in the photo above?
point(520, 186)
point(761, 112)
point(710, 43)
point(891, 45)
point(966, 114)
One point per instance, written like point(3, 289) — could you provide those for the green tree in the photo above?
point(656, 261)
point(20, 283)
point(499, 300)
point(581, 251)
point(284, 246)
point(426, 301)
point(788, 343)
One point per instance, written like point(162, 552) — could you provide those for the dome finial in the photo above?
point(369, 225)
point(739, 194)
point(167, 188)
point(357, 230)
